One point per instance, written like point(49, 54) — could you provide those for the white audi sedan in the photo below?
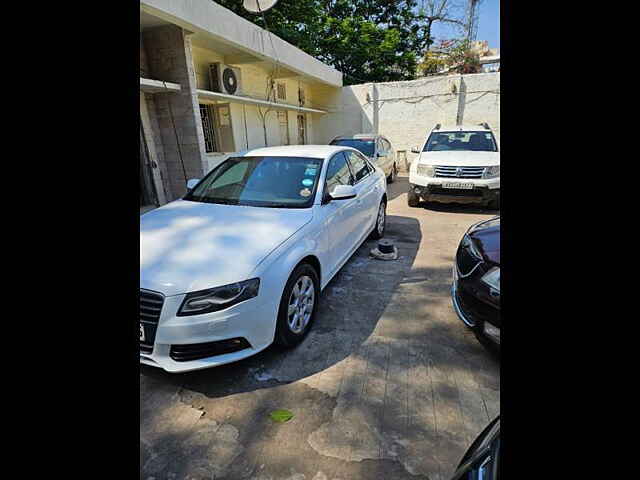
point(240, 261)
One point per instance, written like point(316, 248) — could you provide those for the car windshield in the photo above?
point(457, 141)
point(365, 145)
point(275, 182)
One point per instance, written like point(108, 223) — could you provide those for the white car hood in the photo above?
point(189, 246)
point(460, 158)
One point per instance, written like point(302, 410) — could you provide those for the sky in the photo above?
point(488, 24)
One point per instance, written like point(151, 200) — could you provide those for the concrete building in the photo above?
point(213, 83)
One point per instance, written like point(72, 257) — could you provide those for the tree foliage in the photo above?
point(367, 40)
point(451, 56)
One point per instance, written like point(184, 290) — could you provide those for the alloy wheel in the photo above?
point(301, 302)
point(381, 219)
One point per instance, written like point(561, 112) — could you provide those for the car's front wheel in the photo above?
point(413, 199)
point(381, 221)
point(298, 306)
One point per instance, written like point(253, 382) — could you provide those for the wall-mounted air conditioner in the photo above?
point(224, 79)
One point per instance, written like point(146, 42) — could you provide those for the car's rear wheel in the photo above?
point(393, 175)
point(298, 306)
point(381, 221)
point(413, 199)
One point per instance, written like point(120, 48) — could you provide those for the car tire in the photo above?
point(381, 217)
point(287, 333)
point(494, 204)
point(393, 175)
point(413, 199)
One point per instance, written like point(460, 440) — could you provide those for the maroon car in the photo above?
point(476, 281)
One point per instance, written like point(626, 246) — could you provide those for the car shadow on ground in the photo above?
point(458, 208)
point(398, 187)
point(350, 307)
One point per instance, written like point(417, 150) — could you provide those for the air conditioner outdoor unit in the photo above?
point(224, 79)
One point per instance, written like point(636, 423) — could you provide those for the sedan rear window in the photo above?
point(365, 145)
point(276, 182)
point(456, 141)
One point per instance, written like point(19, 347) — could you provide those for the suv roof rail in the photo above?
point(437, 127)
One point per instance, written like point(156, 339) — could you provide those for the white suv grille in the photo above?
point(459, 172)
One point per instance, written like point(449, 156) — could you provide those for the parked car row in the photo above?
point(240, 261)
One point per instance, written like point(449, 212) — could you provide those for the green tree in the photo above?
point(367, 40)
point(450, 56)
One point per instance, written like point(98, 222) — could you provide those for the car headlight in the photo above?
point(218, 298)
point(427, 170)
point(492, 172)
point(492, 278)
point(473, 248)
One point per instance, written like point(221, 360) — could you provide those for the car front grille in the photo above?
point(150, 308)
point(198, 351)
point(459, 172)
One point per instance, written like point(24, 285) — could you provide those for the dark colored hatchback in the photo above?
point(476, 281)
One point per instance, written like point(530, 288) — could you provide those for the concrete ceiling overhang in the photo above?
point(237, 39)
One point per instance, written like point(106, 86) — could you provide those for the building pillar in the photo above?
point(168, 54)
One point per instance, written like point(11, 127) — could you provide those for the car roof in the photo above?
point(462, 128)
point(311, 151)
point(359, 135)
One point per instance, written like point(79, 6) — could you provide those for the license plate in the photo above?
point(464, 186)
point(142, 336)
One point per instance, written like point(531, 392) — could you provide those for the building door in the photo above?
point(224, 130)
point(217, 129)
point(283, 123)
point(147, 189)
point(302, 130)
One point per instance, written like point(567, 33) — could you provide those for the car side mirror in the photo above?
point(192, 183)
point(415, 150)
point(343, 192)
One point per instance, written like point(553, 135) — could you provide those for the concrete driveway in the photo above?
point(389, 384)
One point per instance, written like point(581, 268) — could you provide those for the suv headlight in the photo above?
point(218, 298)
point(492, 278)
point(491, 172)
point(427, 170)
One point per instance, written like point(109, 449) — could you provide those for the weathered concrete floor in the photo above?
point(388, 385)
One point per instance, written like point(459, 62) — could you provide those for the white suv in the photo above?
point(458, 164)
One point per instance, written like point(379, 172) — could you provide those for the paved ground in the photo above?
point(388, 385)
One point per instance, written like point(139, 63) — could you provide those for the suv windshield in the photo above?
point(455, 141)
point(365, 145)
point(276, 182)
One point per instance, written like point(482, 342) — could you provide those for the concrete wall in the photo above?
point(406, 111)
point(168, 54)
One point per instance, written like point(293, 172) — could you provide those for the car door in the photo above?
point(341, 216)
point(368, 192)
